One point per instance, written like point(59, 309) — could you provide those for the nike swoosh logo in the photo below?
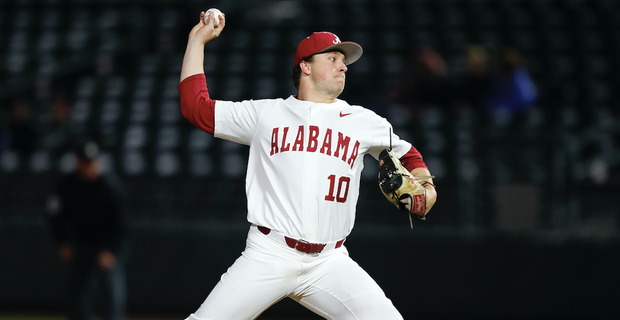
point(344, 114)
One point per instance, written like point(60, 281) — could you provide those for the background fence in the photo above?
point(526, 224)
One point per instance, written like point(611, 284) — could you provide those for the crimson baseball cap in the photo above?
point(319, 42)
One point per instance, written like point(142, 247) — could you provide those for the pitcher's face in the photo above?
point(328, 73)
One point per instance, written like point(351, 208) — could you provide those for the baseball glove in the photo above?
point(397, 184)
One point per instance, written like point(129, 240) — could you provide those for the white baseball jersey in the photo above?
point(305, 161)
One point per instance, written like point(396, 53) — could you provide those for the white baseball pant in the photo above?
point(330, 284)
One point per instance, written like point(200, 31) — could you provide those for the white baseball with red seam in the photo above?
point(216, 16)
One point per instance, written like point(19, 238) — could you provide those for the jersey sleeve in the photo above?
point(237, 121)
point(196, 105)
point(381, 136)
point(234, 121)
point(380, 130)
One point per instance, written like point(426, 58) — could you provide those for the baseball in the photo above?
point(216, 16)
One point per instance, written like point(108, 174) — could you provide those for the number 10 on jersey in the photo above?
point(343, 189)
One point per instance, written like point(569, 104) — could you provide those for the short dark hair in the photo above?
point(296, 73)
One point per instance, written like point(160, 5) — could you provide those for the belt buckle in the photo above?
point(302, 241)
point(308, 247)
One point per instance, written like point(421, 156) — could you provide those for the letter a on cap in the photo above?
point(320, 42)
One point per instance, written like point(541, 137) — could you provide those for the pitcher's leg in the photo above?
point(259, 278)
point(342, 290)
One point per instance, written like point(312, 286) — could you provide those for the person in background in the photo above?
point(512, 92)
point(87, 222)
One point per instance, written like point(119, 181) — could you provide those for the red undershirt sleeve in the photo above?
point(413, 159)
point(196, 105)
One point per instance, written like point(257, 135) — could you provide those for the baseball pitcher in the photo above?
point(302, 183)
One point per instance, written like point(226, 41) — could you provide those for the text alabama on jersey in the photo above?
point(280, 142)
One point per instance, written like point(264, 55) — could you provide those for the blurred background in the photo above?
point(513, 103)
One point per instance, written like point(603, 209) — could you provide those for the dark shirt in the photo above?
point(86, 213)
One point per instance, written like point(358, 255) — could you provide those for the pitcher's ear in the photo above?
point(305, 67)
